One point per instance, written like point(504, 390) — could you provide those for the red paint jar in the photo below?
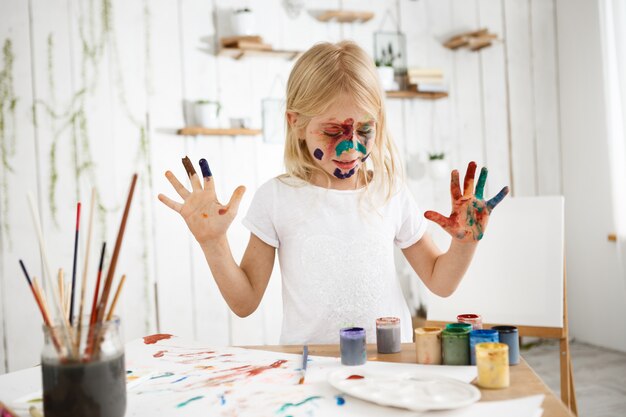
point(474, 319)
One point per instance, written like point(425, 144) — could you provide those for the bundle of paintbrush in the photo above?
point(72, 343)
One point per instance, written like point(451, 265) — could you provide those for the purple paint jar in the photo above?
point(352, 346)
point(509, 335)
point(388, 335)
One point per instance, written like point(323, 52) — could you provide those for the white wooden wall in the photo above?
point(148, 57)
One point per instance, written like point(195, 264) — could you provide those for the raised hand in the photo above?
point(470, 212)
point(206, 218)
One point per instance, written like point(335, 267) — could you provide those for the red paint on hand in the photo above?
point(205, 215)
point(152, 339)
point(223, 211)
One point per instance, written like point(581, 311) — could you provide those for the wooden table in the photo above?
point(524, 381)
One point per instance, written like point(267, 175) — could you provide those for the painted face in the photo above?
point(341, 139)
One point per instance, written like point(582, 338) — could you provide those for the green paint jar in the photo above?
point(455, 346)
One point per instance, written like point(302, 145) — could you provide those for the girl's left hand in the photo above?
point(470, 212)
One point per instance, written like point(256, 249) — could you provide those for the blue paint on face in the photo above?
point(318, 154)
point(342, 176)
point(204, 166)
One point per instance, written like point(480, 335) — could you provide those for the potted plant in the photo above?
point(384, 64)
point(242, 22)
point(207, 113)
point(437, 165)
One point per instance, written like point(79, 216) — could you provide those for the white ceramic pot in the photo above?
point(386, 76)
point(438, 169)
point(242, 23)
point(207, 114)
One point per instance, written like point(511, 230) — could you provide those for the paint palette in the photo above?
point(417, 391)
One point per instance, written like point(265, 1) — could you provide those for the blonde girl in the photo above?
point(335, 215)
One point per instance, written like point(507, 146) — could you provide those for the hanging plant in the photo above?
point(8, 103)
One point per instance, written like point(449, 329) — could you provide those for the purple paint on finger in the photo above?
point(204, 166)
point(318, 154)
point(491, 204)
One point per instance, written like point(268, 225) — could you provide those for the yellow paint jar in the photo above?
point(428, 345)
point(492, 361)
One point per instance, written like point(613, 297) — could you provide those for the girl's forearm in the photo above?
point(451, 266)
point(232, 281)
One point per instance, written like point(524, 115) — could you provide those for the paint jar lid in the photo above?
point(484, 333)
point(459, 326)
point(387, 322)
point(427, 331)
point(456, 331)
point(505, 329)
point(468, 317)
point(352, 332)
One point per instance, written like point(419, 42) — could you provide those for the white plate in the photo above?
point(417, 391)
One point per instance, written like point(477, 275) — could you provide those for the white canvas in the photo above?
point(516, 276)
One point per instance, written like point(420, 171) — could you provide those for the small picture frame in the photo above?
point(390, 50)
point(273, 114)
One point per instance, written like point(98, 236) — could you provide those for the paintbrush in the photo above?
point(305, 359)
point(117, 295)
point(83, 287)
point(73, 290)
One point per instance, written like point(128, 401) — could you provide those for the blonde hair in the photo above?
point(325, 71)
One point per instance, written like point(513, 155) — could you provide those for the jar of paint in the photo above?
point(474, 319)
point(480, 336)
point(510, 336)
point(455, 346)
point(352, 346)
point(459, 326)
point(492, 362)
point(388, 335)
point(428, 345)
point(84, 384)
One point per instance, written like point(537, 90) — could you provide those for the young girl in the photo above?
point(334, 216)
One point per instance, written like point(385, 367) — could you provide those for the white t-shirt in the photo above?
point(336, 256)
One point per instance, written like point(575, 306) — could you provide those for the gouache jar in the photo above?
point(388, 335)
point(428, 345)
point(474, 319)
point(481, 336)
point(76, 385)
point(492, 362)
point(510, 336)
point(352, 346)
point(467, 326)
point(455, 346)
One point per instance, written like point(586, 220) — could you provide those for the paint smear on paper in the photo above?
point(290, 405)
point(222, 399)
point(340, 400)
point(152, 339)
point(163, 375)
point(159, 354)
point(184, 403)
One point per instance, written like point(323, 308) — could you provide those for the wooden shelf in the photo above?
point(238, 53)
point(205, 131)
point(416, 94)
point(344, 16)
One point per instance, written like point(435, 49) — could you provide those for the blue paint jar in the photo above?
point(510, 336)
point(481, 336)
point(352, 346)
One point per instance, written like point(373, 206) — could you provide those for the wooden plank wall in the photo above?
point(108, 79)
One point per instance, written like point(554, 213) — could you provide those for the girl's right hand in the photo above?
point(206, 218)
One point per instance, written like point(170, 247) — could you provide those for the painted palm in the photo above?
point(470, 212)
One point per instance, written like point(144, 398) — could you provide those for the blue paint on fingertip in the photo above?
point(204, 166)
